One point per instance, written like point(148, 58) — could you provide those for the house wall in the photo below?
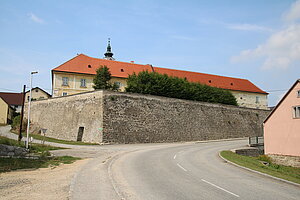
point(244, 99)
point(3, 111)
point(74, 83)
point(37, 94)
point(251, 100)
point(281, 130)
point(62, 116)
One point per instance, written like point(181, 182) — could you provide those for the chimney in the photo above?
point(132, 62)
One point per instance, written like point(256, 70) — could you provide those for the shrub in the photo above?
point(16, 123)
point(163, 85)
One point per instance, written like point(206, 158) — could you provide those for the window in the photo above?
point(118, 84)
point(82, 82)
point(257, 100)
point(296, 112)
point(65, 94)
point(65, 81)
point(36, 90)
point(298, 93)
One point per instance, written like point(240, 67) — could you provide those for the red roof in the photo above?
point(12, 98)
point(88, 65)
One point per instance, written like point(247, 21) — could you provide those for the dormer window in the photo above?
point(122, 70)
point(89, 66)
point(209, 81)
point(231, 83)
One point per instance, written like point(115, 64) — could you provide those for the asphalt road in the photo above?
point(173, 171)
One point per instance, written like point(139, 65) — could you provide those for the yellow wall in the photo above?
point(248, 99)
point(3, 111)
point(74, 84)
point(37, 94)
point(244, 99)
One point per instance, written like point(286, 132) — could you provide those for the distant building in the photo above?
point(76, 76)
point(282, 129)
point(6, 112)
point(37, 94)
point(14, 100)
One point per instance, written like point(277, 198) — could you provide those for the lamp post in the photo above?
point(29, 102)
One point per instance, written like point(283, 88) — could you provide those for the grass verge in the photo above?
point(34, 148)
point(256, 163)
point(49, 139)
point(9, 164)
point(41, 151)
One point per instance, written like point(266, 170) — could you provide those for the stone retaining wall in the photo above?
point(134, 118)
point(63, 117)
point(112, 117)
point(293, 161)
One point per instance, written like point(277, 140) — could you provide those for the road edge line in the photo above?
point(254, 171)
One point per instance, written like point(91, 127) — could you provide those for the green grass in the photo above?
point(49, 139)
point(34, 148)
point(255, 163)
point(9, 164)
point(41, 151)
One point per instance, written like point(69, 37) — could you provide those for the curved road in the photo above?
point(174, 171)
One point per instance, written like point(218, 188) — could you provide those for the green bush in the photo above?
point(16, 123)
point(163, 85)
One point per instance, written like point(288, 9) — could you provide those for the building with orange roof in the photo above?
point(76, 76)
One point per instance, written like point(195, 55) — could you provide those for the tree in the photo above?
point(102, 79)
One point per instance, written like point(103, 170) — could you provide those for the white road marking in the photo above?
point(220, 188)
point(175, 157)
point(181, 167)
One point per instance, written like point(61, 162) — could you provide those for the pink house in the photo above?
point(282, 129)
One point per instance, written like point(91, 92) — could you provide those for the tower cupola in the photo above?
point(108, 54)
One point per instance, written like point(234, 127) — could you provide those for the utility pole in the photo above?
point(22, 111)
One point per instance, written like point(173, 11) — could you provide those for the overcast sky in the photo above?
point(252, 39)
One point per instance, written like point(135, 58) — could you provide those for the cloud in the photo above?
point(247, 27)
point(236, 26)
point(281, 50)
point(35, 18)
point(294, 13)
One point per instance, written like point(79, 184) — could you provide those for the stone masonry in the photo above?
point(112, 117)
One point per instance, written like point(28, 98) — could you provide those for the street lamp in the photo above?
point(28, 122)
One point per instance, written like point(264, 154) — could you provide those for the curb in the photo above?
point(257, 172)
point(219, 140)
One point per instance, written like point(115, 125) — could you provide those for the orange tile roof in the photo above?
point(87, 65)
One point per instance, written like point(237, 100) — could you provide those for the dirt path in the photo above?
point(43, 183)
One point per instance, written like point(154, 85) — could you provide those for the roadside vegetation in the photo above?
point(163, 85)
point(49, 139)
point(40, 154)
point(264, 164)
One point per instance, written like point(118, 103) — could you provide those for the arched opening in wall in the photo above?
point(80, 133)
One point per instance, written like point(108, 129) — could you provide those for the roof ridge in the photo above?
point(116, 61)
point(202, 73)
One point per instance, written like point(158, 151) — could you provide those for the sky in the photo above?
point(250, 39)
